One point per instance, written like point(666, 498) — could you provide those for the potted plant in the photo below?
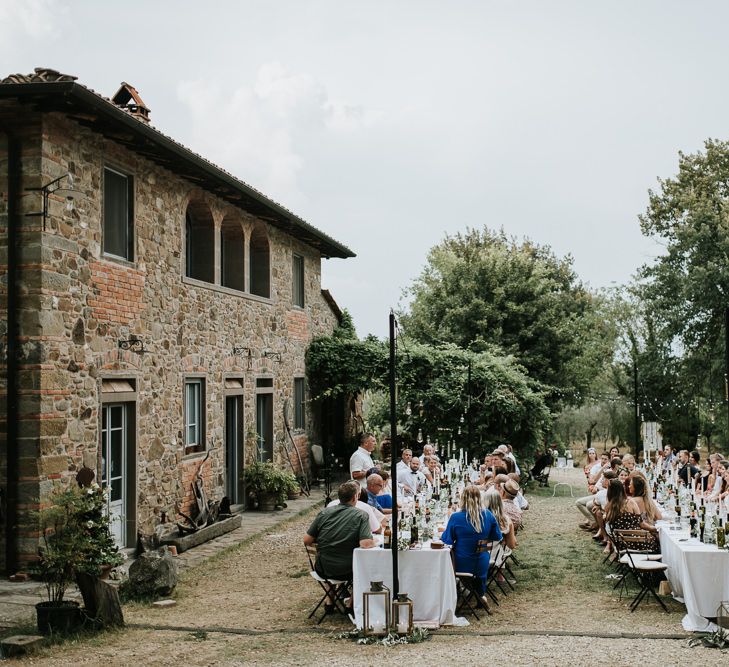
point(270, 484)
point(77, 546)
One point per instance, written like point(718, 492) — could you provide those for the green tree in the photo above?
point(686, 289)
point(484, 290)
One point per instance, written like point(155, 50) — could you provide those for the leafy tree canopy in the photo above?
point(481, 289)
point(688, 286)
point(505, 405)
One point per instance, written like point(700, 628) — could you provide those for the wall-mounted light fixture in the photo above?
point(134, 344)
point(240, 351)
point(56, 185)
point(276, 356)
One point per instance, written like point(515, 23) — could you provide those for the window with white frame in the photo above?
point(194, 414)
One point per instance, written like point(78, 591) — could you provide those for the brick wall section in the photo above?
point(298, 325)
point(119, 292)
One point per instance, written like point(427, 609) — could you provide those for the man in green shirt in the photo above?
point(337, 531)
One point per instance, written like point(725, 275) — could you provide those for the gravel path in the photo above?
point(264, 585)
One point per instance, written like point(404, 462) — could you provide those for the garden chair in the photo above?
point(543, 477)
point(335, 590)
point(469, 599)
point(630, 544)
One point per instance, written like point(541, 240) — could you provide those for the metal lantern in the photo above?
point(722, 615)
point(376, 606)
point(402, 614)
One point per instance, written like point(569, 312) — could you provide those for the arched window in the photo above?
point(260, 263)
point(232, 255)
point(199, 243)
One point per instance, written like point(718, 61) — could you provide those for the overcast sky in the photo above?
point(389, 124)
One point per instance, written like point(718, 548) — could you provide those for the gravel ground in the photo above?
point(263, 584)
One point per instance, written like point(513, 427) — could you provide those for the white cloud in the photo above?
point(259, 131)
point(23, 19)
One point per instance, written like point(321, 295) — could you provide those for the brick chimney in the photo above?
point(128, 98)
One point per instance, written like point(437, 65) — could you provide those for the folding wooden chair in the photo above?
point(469, 599)
point(335, 590)
point(630, 543)
point(499, 554)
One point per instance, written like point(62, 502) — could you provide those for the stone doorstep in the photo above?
point(20, 645)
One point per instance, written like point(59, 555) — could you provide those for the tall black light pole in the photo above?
point(468, 409)
point(637, 409)
point(726, 365)
point(393, 462)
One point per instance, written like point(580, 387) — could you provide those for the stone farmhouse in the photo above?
point(154, 309)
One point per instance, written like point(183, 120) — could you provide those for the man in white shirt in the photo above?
point(413, 479)
point(361, 461)
point(403, 465)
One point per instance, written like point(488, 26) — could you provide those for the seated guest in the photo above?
point(714, 484)
point(521, 502)
point(374, 486)
point(469, 530)
point(337, 531)
point(509, 490)
point(629, 462)
point(375, 517)
point(493, 503)
point(429, 450)
point(592, 462)
point(597, 508)
point(403, 465)
point(596, 473)
point(640, 493)
point(615, 453)
point(686, 470)
point(427, 467)
point(723, 470)
point(623, 513)
point(509, 453)
point(384, 497)
point(412, 481)
point(667, 459)
point(543, 460)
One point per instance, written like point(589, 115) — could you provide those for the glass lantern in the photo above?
point(402, 614)
point(722, 615)
point(376, 606)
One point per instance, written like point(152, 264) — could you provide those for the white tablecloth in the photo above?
point(698, 573)
point(426, 575)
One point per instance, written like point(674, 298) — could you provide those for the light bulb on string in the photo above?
point(408, 409)
point(420, 436)
point(420, 408)
point(427, 440)
point(463, 419)
point(459, 430)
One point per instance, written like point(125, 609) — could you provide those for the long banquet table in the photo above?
point(698, 573)
point(426, 575)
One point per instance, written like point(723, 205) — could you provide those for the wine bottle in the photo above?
point(388, 537)
point(693, 524)
point(414, 532)
point(720, 535)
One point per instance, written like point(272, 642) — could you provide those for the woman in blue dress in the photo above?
point(470, 531)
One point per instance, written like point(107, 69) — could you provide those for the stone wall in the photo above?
point(87, 303)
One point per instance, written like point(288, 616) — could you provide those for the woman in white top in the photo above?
point(715, 480)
